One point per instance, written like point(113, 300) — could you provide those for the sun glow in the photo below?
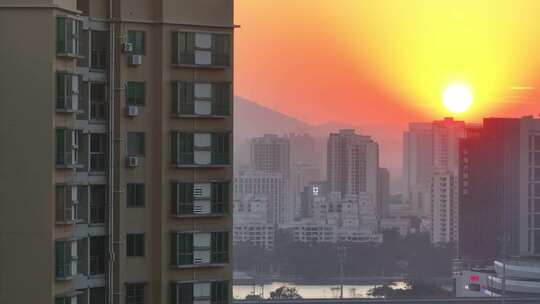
point(457, 98)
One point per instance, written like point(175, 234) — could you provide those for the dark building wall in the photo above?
point(489, 190)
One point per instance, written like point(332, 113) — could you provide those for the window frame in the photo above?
point(68, 36)
point(183, 98)
point(184, 48)
point(135, 293)
point(141, 144)
point(135, 245)
point(136, 93)
point(137, 38)
point(135, 195)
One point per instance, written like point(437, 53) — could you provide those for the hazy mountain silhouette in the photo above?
point(253, 119)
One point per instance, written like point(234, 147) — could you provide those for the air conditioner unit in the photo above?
point(202, 190)
point(132, 111)
point(202, 207)
point(135, 60)
point(132, 161)
point(127, 47)
point(201, 256)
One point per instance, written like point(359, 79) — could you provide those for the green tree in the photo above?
point(285, 293)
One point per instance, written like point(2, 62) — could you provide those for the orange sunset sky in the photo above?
point(387, 61)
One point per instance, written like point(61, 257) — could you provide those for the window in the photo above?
point(69, 299)
point(135, 195)
point(98, 102)
point(199, 148)
point(221, 46)
point(135, 144)
point(188, 293)
point(67, 209)
point(98, 204)
point(219, 292)
point(182, 293)
point(183, 98)
point(182, 198)
point(136, 39)
point(67, 92)
point(98, 54)
point(199, 248)
point(98, 144)
point(190, 98)
point(67, 145)
point(182, 249)
point(220, 148)
point(135, 294)
point(64, 259)
point(220, 197)
point(182, 148)
point(98, 295)
point(98, 254)
point(183, 48)
point(135, 93)
point(220, 247)
point(67, 35)
point(221, 96)
point(135, 245)
point(201, 48)
point(199, 198)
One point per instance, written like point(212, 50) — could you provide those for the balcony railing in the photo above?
point(98, 59)
point(98, 162)
point(98, 110)
point(98, 265)
point(98, 213)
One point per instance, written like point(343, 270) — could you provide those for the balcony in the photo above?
point(98, 213)
point(98, 162)
point(98, 265)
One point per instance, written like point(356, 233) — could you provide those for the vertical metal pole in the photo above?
point(111, 177)
point(341, 257)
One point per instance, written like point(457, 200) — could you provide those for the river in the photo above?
point(307, 291)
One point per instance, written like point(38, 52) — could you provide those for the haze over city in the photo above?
point(269, 151)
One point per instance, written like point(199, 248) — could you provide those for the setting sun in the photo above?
point(457, 98)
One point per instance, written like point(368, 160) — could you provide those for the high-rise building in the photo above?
point(430, 166)
point(353, 164)
point(271, 153)
point(418, 166)
point(116, 151)
point(383, 195)
point(304, 149)
point(500, 189)
point(444, 211)
point(250, 223)
point(444, 188)
point(446, 136)
point(270, 185)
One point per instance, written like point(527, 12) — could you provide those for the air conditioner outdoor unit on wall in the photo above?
point(135, 60)
point(132, 111)
point(132, 161)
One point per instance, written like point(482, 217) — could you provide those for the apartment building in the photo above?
point(271, 153)
point(116, 156)
point(353, 164)
point(250, 224)
point(271, 185)
point(444, 208)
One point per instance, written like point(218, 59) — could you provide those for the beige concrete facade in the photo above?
point(30, 176)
